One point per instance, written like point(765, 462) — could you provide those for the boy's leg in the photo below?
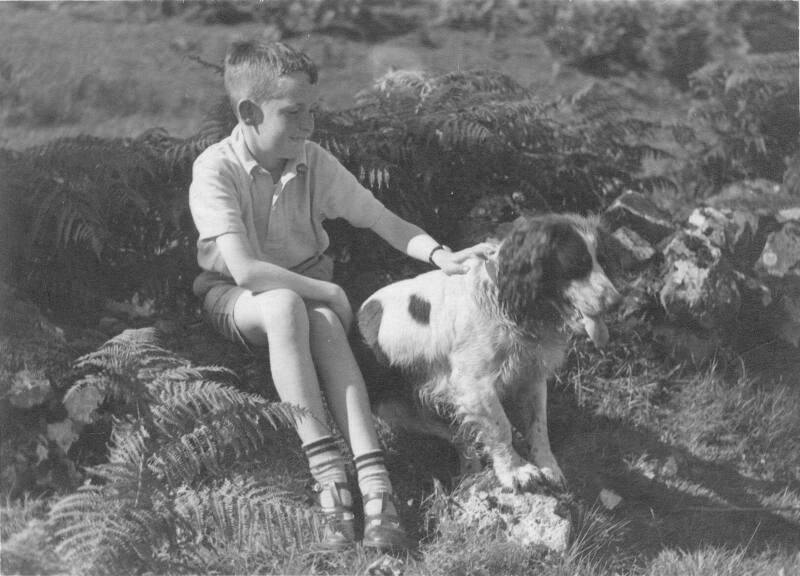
point(349, 403)
point(278, 318)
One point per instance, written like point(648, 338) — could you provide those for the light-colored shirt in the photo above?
point(282, 221)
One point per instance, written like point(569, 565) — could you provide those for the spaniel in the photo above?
point(480, 347)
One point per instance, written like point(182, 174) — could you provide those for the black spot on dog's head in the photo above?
point(419, 309)
point(537, 261)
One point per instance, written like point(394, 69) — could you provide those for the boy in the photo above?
point(258, 199)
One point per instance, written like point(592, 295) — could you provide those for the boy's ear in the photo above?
point(250, 113)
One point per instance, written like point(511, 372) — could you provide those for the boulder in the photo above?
point(734, 231)
point(760, 197)
point(760, 223)
point(636, 212)
point(528, 519)
point(780, 257)
point(634, 251)
point(700, 287)
point(778, 267)
point(30, 388)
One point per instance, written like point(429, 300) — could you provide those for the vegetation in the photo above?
point(132, 455)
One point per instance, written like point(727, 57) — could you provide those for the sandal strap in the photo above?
point(384, 529)
point(335, 490)
point(384, 496)
point(382, 518)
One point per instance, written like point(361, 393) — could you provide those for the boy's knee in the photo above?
point(282, 308)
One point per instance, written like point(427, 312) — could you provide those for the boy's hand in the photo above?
point(453, 262)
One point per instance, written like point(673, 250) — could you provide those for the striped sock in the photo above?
point(327, 467)
point(373, 478)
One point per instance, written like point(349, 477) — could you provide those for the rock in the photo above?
point(636, 212)
point(760, 197)
point(634, 250)
point(781, 254)
point(82, 402)
point(778, 267)
point(700, 284)
point(609, 499)
point(30, 389)
point(788, 214)
point(62, 433)
point(525, 518)
point(734, 231)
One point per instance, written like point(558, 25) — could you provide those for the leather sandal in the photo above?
point(383, 530)
point(338, 524)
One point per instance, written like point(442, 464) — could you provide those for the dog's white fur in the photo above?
point(472, 357)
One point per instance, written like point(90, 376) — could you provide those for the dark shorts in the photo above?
point(218, 306)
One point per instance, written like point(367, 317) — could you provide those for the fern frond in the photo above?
point(245, 514)
point(207, 433)
point(68, 216)
point(455, 87)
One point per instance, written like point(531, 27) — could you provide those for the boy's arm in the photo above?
point(259, 276)
point(415, 242)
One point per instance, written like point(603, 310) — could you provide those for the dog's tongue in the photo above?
point(596, 329)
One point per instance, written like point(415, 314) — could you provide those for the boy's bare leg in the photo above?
point(342, 379)
point(349, 403)
point(279, 318)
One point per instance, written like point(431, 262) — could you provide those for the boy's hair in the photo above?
point(252, 68)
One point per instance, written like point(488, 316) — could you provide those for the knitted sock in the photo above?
point(327, 467)
point(373, 477)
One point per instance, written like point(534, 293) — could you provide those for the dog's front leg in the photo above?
point(480, 411)
point(529, 415)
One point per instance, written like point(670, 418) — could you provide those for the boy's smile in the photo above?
point(276, 128)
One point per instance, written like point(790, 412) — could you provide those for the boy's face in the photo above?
point(286, 119)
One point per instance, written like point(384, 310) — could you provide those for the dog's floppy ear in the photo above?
point(537, 257)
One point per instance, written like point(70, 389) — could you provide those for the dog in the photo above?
point(478, 349)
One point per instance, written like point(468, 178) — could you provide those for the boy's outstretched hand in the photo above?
point(454, 262)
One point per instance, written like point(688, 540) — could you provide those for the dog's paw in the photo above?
point(526, 476)
point(521, 477)
point(551, 472)
point(553, 477)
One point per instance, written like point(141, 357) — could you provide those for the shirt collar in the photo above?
point(295, 166)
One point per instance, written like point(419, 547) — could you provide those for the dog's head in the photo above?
point(550, 270)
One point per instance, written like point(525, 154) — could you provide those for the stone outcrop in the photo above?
point(634, 211)
point(730, 272)
point(528, 519)
point(699, 284)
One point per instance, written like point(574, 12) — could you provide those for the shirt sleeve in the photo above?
point(343, 195)
point(213, 200)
